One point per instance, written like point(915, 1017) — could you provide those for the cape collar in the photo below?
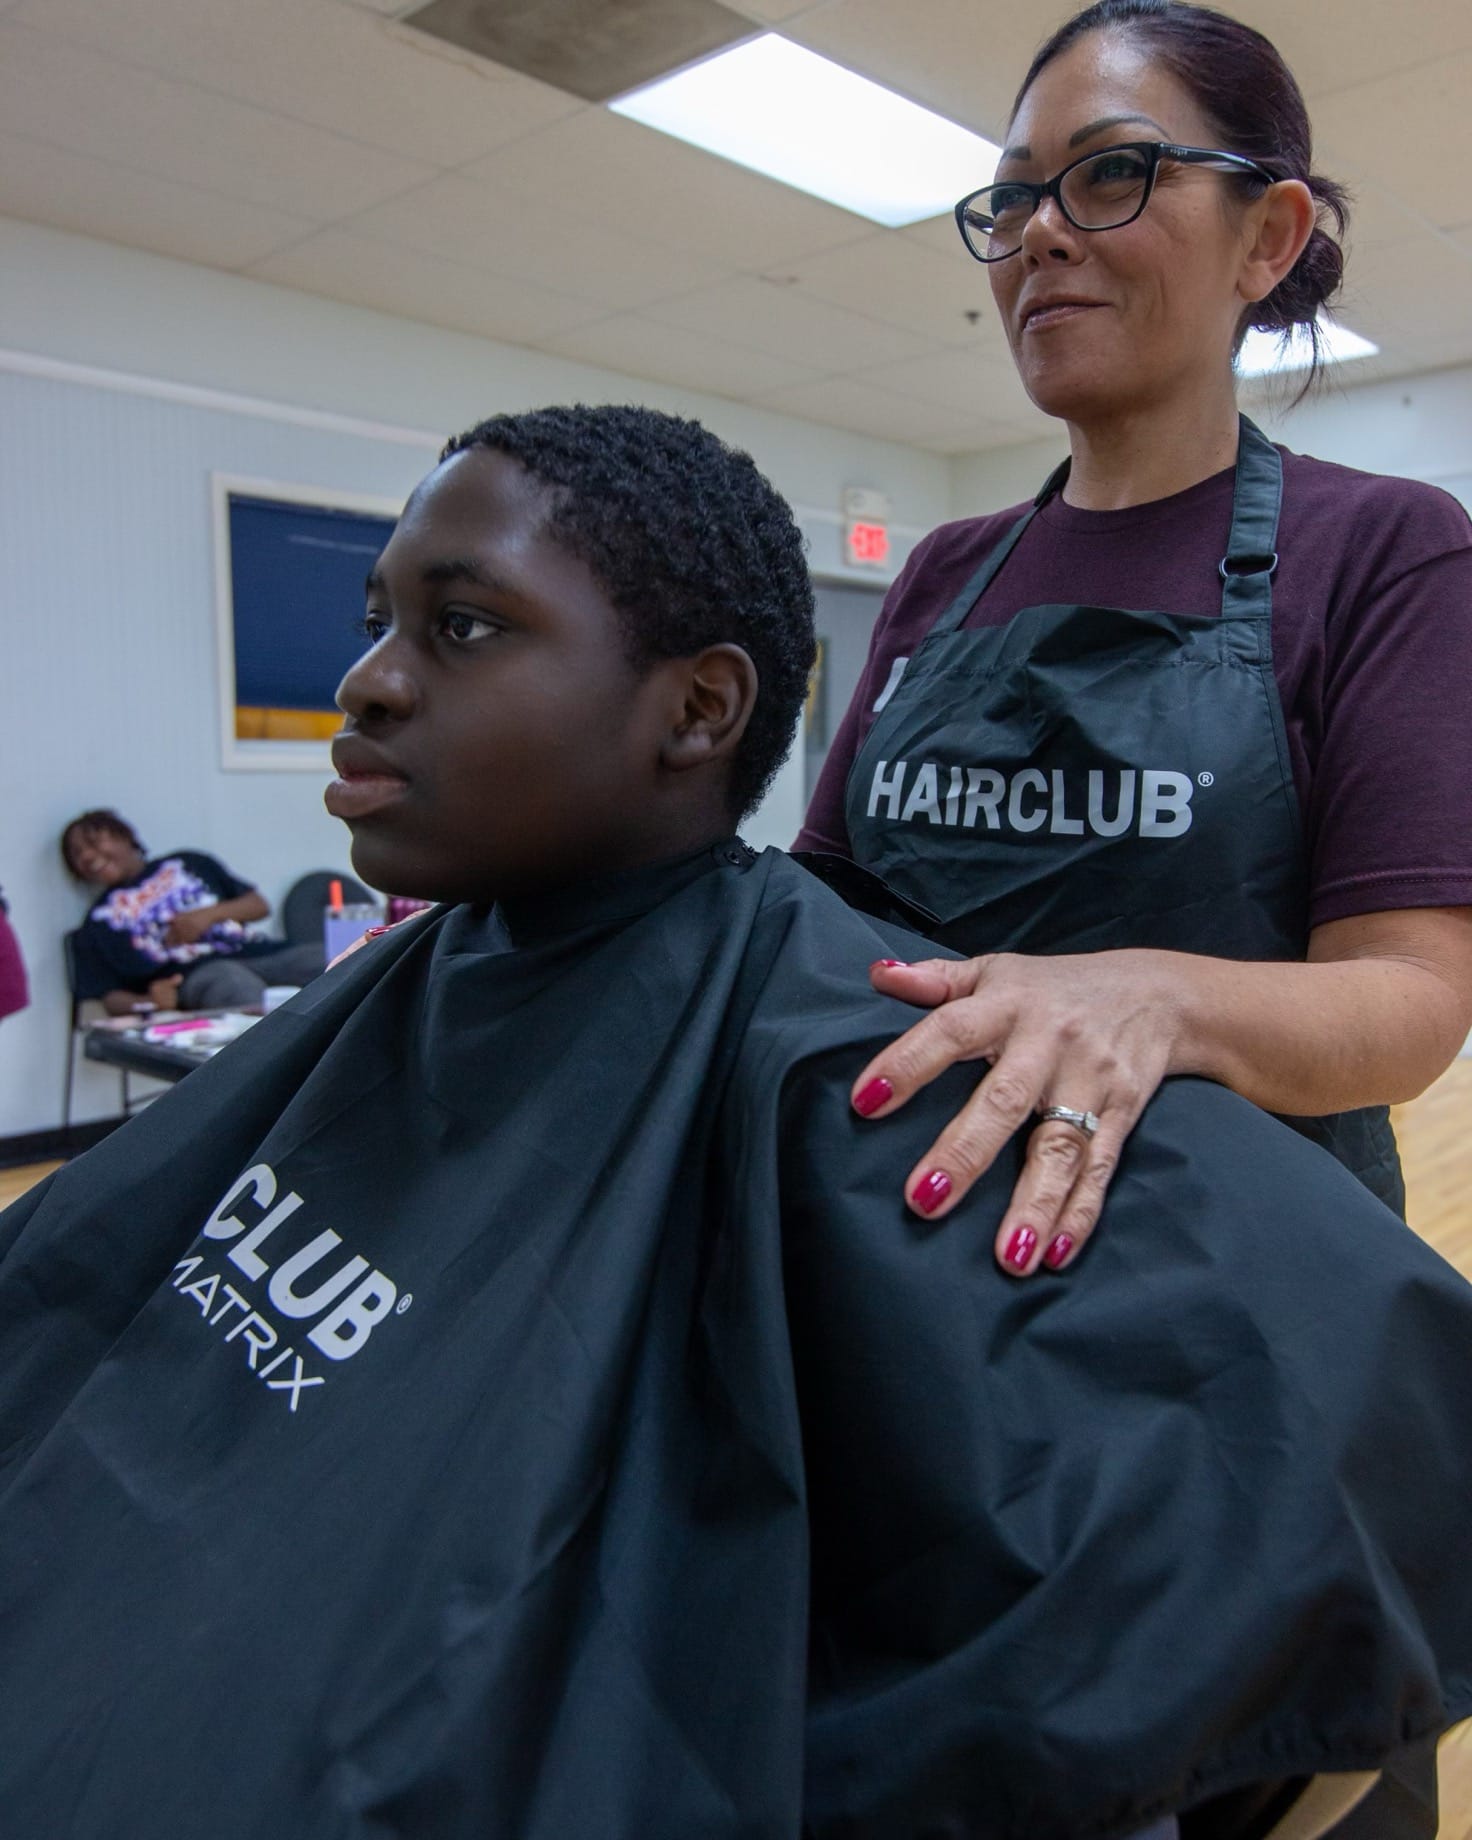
point(611, 900)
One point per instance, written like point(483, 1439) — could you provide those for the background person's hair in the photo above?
point(1241, 84)
point(691, 544)
point(104, 821)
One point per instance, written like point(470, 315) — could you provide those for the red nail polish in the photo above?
point(869, 1098)
point(931, 1190)
point(1020, 1248)
point(1058, 1251)
point(375, 932)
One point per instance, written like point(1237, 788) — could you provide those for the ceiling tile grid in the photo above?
point(776, 317)
point(332, 68)
point(1334, 45)
point(100, 198)
point(944, 297)
point(414, 285)
point(57, 92)
point(1425, 169)
point(643, 347)
point(601, 170)
point(325, 145)
point(851, 403)
point(492, 228)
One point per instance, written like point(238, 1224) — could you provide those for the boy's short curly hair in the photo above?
point(691, 544)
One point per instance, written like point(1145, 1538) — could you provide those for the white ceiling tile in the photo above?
point(1331, 44)
point(1378, 220)
point(317, 62)
point(423, 287)
point(600, 168)
point(1419, 290)
point(1433, 353)
point(959, 58)
point(100, 198)
point(60, 93)
point(967, 382)
point(984, 437)
point(941, 235)
point(668, 354)
point(788, 324)
point(1411, 130)
point(843, 402)
point(773, 12)
point(901, 281)
point(492, 228)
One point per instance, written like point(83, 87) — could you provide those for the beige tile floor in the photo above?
point(1436, 1146)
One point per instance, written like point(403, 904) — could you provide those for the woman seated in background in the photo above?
point(505, 1395)
point(172, 932)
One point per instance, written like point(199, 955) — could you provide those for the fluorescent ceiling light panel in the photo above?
point(786, 112)
point(1264, 354)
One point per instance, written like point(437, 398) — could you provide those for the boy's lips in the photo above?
point(366, 781)
point(360, 794)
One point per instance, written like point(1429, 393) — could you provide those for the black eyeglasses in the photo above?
point(1101, 191)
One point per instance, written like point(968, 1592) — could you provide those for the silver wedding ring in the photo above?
point(1087, 1122)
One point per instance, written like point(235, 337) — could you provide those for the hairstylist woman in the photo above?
point(1180, 746)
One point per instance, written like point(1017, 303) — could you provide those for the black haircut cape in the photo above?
point(504, 1395)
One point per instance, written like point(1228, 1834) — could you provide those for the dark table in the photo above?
point(134, 1055)
point(159, 1060)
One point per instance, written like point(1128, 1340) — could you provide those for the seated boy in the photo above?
point(173, 931)
point(505, 1396)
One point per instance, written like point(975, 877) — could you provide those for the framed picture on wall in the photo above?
point(290, 563)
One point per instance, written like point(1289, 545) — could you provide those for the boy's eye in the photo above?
point(465, 628)
point(372, 626)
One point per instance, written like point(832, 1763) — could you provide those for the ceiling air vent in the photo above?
point(593, 48)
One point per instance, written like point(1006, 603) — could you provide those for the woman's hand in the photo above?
point(1094, 1032)
point(1378, 1010)
point(372, 933)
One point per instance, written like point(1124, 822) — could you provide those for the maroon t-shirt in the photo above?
point(1372, 651)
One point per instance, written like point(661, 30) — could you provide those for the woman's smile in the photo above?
point(1041, 315)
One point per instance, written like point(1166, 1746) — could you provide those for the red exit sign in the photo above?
point(865, 527)
point(868, 544)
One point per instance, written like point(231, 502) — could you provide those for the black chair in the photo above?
point(74, 1025)
point(301, 911)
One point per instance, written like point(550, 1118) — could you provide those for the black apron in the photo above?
point(1105, 777)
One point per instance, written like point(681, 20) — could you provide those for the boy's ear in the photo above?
point(717, 690)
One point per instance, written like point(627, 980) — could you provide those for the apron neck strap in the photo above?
point(1246, 569)
point(953, 617)
point(1252, 555)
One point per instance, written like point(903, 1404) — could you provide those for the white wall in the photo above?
point(1418, 427)
point(125, 380)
